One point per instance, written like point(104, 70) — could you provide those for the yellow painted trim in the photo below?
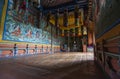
point(49, 45)
point(113, 32)
point(72, 26)
point(3, 19)
point(69, 27)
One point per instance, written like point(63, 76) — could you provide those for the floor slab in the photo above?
point(51, 66)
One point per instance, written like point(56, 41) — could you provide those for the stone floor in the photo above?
point(51, 66)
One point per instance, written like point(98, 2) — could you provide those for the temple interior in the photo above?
point(59, 39)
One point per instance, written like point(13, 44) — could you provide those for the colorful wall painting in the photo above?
point(18, 29)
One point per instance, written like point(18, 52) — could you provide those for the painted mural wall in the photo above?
point(21, 25)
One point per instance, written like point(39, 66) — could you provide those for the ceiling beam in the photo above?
point(70, 7)
point(80, 1)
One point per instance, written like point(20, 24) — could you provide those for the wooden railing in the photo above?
point(108, 55)
point(15, 50)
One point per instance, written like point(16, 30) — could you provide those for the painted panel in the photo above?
point(18, 28)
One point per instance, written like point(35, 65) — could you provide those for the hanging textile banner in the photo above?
point(62, 33)
point(65, 18)
point(76, 14)
point(48, 18)
point(40, 18)
point(84, 30)
point(57, 31)
point(39, 4)
point(56, 22)
point(79, 31)
point(68, 33)
point(84, 40)
point(56, 18)
point(81, 16)
point(73, 32)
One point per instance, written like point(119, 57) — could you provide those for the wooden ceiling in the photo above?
point(53, 3)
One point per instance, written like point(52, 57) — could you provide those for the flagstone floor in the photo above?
point(51, 66)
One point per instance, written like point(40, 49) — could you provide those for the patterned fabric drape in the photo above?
point(56, 18)
point(63, 33)
point(79, 31)
point(84, 30)
point(65, 18)
point(76, 14)
point(73, 32)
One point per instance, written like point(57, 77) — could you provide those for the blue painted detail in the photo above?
point(109, 28)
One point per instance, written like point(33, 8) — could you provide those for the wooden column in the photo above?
point(104, 49)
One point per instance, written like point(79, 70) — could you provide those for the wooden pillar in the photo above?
point(84, 43)
point(104, 49)
point(84, 38)
point(65, 18)
point(96, 51)
point(90, 38)
point(51, 40)
point(119, 45)
point(68, 35)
